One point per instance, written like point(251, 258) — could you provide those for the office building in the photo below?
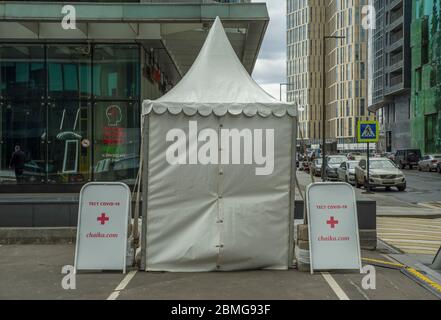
point(345, 67)
point(426, 76)
point(390, 74)
point(71, 98)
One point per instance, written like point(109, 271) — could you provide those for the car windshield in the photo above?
point(381, 164)
point(336, 160)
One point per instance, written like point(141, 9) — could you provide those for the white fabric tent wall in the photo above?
point(217, 216)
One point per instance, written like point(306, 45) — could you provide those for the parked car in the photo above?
point(382, 173)
point(429, 162)
point(316, 167)
point(332, 164)
point(389, 155)
point(353, 155)
point(117, 169)
point(305, 165)
point(346, 171)
point(407, 157)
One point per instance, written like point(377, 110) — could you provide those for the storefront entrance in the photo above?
point(73, 110)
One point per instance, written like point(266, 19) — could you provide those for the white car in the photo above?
point(429, 162)
point(346, 171)
point(382, 173)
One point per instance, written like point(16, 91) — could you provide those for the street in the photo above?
point(410, 221)
point(422, 188)
point(423, 191)
point(34, 272)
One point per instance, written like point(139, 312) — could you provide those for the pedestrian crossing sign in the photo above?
point(368, 131)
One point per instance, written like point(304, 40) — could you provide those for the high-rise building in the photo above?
point(426, 76)
point(390, 71)
point(305, 23)
point(308, 22)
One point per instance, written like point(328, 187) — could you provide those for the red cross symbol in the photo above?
point(332, 222)
point(103, 218)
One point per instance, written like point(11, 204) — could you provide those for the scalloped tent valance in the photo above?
point(218, 84)
point(221, 109)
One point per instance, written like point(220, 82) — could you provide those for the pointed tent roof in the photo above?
point(218, 83)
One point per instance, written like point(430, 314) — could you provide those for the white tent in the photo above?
point(218, 171)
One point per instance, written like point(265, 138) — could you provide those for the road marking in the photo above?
point(359, 290)
point(414, 237)
point(431, 205)
point(406, 231)
point(392, 264)
point(334, 286)
point(411, 235)
point(123, 284)
point(423, 278)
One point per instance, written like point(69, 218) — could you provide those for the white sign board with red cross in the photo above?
point(333, 227)
point(103, 218)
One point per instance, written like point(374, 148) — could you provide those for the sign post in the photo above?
point(103, 218)
point(367, 132)
point(333, 227)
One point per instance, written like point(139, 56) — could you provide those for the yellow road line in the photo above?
point(423, 278)
point(412, 271)
point(398, 265)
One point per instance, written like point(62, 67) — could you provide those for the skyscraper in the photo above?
point(390, 73)
point(308, 22)
point(426, 76)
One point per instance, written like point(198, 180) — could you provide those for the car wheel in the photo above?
point(419, 168)
point(402, 188)
point(387, 188)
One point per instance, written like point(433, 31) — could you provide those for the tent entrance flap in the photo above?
point(218, 215)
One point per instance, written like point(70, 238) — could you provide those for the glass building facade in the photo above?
point(71, 96)
point(74, 110)
point(426, 76)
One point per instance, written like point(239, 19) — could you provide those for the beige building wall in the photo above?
point(306, 20)
point(346, 67)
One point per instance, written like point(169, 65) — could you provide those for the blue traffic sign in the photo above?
point(368, 131)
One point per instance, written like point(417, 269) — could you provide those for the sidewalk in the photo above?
point(34, 272)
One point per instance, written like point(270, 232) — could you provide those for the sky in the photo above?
point(270, 69)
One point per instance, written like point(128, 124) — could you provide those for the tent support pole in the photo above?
point(145, 171)
point(292, 192)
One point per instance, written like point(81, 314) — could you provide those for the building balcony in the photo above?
point(396, 44)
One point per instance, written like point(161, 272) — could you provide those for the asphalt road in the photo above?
point(34, 272)
point(422, 187)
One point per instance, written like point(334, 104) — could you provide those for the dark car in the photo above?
point(332, 165)
point(407, 158)
point(316, 167)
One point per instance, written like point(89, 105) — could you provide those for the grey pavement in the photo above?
point(34, 272)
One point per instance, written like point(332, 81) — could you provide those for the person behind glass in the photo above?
point(18, 162)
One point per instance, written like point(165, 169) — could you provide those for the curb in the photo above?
point(65, 235)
